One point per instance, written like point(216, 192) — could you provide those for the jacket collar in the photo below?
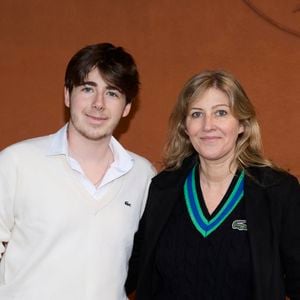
point(264, 177)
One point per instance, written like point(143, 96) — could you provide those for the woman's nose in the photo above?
point(208, 122)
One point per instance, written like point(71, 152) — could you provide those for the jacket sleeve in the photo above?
point(290, 239)
point(134, 262)
point(8, 179)
point(138, 244)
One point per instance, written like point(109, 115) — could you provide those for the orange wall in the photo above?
point(171, 40)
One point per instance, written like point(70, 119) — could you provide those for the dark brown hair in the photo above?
point(116, 66)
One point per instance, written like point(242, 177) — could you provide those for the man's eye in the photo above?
point(221, 113)
point(112, 94)
point(87, 89)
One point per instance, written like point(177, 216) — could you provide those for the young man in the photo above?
point(71, 202)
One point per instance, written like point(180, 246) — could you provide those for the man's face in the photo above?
point(95, 108)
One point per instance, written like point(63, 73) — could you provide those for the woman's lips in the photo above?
point(209, 138)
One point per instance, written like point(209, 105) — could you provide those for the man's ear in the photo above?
point(66, 97)
point(126, 110)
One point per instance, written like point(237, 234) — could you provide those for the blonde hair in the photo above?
point(248, 150)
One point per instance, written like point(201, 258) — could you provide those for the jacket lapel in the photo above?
point(163, 207)
point(260, 236)
point(166, 190)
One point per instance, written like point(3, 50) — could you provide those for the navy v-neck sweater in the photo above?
point(212, 268)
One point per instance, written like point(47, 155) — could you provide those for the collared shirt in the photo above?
point(122, 163)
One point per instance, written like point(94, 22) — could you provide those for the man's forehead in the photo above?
point(95, 78)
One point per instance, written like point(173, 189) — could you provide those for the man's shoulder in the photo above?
point(28, 146)
point(142, 162)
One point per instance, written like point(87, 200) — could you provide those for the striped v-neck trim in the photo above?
point(204, 226)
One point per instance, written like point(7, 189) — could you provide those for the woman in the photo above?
point(221, 220)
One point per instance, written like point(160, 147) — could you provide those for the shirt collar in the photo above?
point(123, 161)
point(59, 143)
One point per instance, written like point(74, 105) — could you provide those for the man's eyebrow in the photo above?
point(92, 83)
point(108, 87)
point(111, 87)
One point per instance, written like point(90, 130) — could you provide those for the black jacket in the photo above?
point(272, 201)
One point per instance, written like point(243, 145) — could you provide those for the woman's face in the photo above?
point(211, 127)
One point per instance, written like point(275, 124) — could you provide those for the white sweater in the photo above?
point(61, 243)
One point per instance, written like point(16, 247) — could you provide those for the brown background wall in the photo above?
point(171, 40)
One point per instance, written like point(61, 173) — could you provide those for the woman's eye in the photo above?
point(196, 114)
point(221, 113)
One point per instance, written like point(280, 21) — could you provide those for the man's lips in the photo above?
point(97, 118)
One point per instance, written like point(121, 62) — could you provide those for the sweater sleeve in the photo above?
point(8, 178)
point(290, 240)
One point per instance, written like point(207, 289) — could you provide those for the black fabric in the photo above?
point(272, 208)
point(212, 268)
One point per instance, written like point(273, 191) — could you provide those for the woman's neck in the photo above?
point(212, 172)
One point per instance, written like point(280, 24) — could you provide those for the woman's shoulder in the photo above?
point(174, 177)
point(269, 177)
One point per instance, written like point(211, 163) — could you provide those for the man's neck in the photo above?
point(94, 157)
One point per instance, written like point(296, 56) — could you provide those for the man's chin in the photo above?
point(92, 133)
point(95, 136)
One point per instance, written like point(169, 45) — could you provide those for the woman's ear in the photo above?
point(241, 128)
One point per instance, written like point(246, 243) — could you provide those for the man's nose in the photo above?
point(98, 102)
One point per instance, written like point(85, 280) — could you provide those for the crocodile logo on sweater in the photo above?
point(240, 225)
